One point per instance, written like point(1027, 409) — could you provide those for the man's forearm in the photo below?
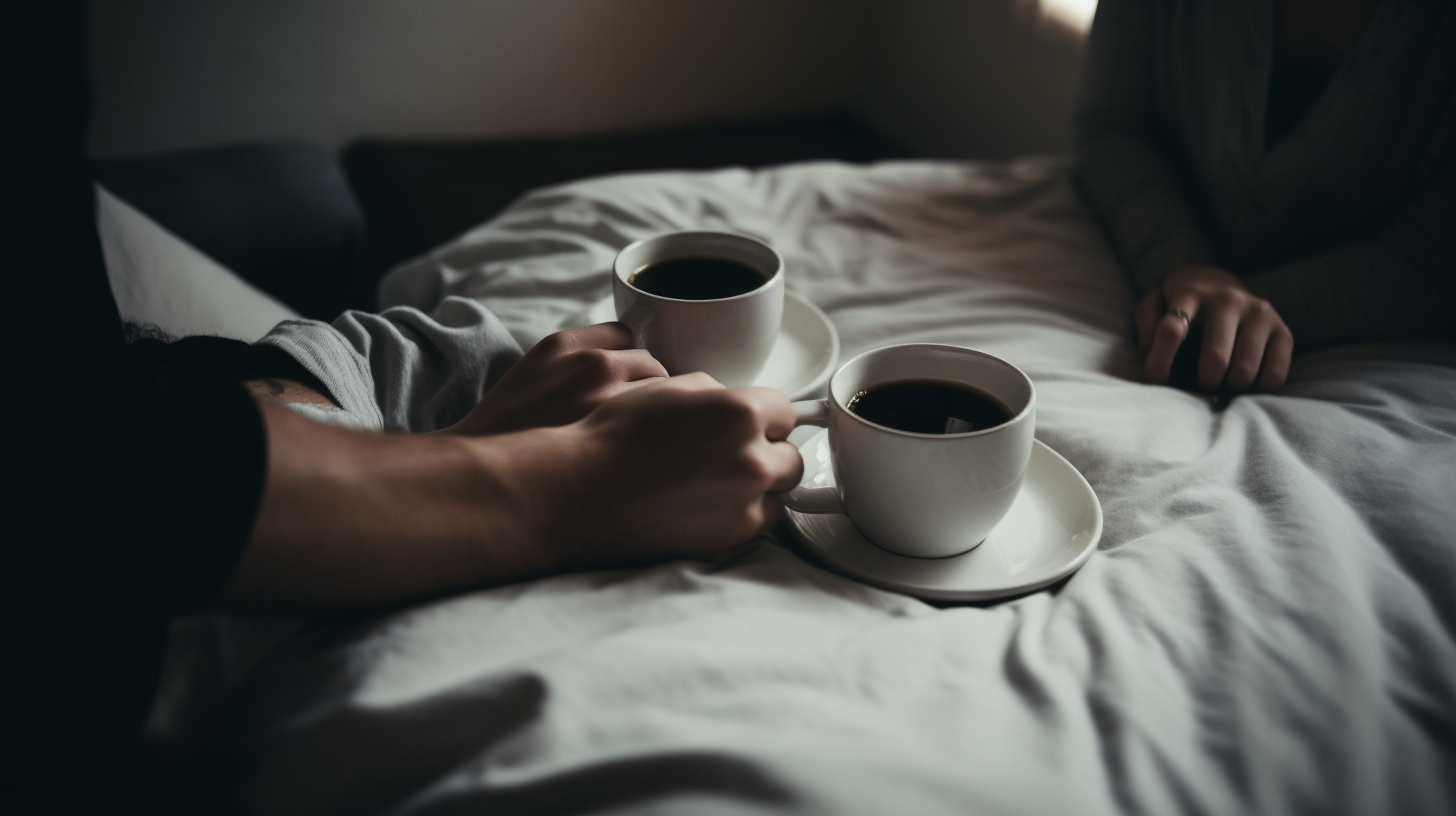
point(352, 519)
point(679, 468)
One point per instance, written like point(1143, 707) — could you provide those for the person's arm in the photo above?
point(678, 468)
point(1400, 285)
point(133, 486)
point(1123, 166)
point(1125, 170)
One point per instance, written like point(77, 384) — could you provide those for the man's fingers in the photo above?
point(786, 464)
point(1276, 359)
point(773, 510)
point(619, 388)
point(1220, 330)
point(609, 336)
point(595, 368)
point(696, 381)
point(639, 364)
point(774, 408)
point(1149, 309)
point(1169, 332)
point(1248, 355)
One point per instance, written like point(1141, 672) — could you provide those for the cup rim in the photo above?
point(1027, 409)
point(778, 272)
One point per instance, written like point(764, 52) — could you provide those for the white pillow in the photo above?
point(160, 279)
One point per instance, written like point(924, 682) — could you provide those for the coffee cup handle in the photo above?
point(814, 500)
point(636, 318)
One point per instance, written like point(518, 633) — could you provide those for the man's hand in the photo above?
point(1245, 342)
point(683, 467)
point(562, 379)
point(679, 468)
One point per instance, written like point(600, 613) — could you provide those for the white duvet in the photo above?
point(1268, 625)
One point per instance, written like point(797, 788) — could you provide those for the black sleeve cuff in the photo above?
point(200, 455)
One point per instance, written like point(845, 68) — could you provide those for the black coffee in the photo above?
point(697, 278)
point(929, 407)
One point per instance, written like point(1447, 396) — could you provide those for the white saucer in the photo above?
point(802, 359)
point(1048, 534)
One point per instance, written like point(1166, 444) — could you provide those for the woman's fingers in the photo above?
point(1169, 332)
point(1276, 359)
point(1146, 315)
point(1244, 341)
point(1220, 331)
point(1248, 354)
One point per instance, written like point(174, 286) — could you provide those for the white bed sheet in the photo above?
point(1268, 625)
point(164, 282)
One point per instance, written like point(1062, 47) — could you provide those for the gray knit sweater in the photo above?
point(1347, 225)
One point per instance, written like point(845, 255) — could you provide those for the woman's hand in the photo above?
point(562, 379)
point(1245, 342)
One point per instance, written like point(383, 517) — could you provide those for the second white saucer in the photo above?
point(803, 357)
point(1049, 533)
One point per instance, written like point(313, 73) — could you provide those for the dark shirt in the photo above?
point(1293, 90)
point(135, 473)
point(1335, 200)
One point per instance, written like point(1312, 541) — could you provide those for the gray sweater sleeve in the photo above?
point(1400, 285)
point(1123, 165)
point(401, 369)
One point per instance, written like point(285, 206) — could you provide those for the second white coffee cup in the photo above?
point(729, 338)
point(917, 494)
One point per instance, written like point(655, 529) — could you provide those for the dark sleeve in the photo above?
point(1123, 166)
point(134, 483)
point(1400, 285)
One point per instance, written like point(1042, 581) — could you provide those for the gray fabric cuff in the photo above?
point(326, 355)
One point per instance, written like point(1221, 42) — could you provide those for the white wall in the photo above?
point(957, 78)
point(175, 73)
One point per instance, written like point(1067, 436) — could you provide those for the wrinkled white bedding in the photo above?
point(1268, 627)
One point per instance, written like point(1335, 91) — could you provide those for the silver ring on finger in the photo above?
point(1182, 315)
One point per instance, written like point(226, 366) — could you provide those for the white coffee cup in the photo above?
point(915, 494)
point(729, 338)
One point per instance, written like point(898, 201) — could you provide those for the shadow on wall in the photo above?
point(975, 78)
point(946, 78)
point(176, 74)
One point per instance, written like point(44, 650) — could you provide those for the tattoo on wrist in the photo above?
point(286, 392)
